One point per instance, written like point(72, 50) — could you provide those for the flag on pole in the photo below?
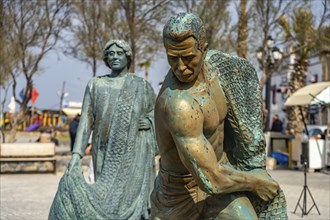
point(21, 94)
point(34, 95)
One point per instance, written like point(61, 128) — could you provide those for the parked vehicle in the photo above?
point(315, 130)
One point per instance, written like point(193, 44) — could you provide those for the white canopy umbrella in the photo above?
point(316, 93)
point(323, 97)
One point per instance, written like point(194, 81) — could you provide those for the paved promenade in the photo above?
point(29, 196)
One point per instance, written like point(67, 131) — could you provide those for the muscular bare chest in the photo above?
point(213, 106)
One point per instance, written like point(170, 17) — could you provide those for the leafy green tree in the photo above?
point(307, 39)
point(323, 48)
point(304, 34)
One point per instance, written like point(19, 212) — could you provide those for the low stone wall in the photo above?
point(42, 166)
point(27, 157)
point(27, 166)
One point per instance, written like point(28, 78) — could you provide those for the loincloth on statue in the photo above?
point(175, 196)
point(179, 197)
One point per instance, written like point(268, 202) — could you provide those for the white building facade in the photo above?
point(279, 83)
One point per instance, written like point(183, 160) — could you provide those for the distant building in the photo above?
point(279, 83)
point(71, 109)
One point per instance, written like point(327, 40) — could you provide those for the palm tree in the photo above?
point(324, 47)
point(304, 37)
point(300, 32)
point(242, 30)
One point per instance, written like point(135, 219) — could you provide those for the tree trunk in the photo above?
point(295, 124)
point(242, 30)
point(94, 66)
point(325, 61)
point(11, 137)
point(15, 120)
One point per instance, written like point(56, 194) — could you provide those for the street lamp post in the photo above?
point(273, 55)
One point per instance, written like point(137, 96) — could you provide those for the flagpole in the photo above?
point(61, 104)
point(32, 113)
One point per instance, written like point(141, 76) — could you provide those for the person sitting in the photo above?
point(277, 124)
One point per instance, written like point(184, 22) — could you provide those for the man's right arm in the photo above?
point(184, 120)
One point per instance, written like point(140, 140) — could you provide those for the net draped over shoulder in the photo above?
point(123, 155)
point(244, 139)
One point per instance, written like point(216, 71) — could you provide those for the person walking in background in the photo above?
point(73, 130)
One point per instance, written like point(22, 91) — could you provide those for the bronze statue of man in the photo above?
point(118, 108)
point(208, 127)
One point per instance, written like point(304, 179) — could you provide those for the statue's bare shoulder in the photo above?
point(179, 107)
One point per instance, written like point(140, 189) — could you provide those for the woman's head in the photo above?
point(121, 44)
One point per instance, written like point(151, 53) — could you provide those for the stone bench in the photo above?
point(27, 157)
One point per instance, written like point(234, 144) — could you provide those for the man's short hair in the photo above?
point(119, 43)
point(184, 25)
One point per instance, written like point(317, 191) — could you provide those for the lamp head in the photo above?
point(277, 54)
point(270, 42)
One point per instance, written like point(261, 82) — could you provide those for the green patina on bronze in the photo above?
point(183, 26)
point(244, 139)
point(240, 150)
point(123, 154)
point(207, 183)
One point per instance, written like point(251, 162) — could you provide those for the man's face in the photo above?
point(185, 59)
point(117, 59)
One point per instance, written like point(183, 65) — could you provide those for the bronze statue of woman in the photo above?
point(118, 108)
